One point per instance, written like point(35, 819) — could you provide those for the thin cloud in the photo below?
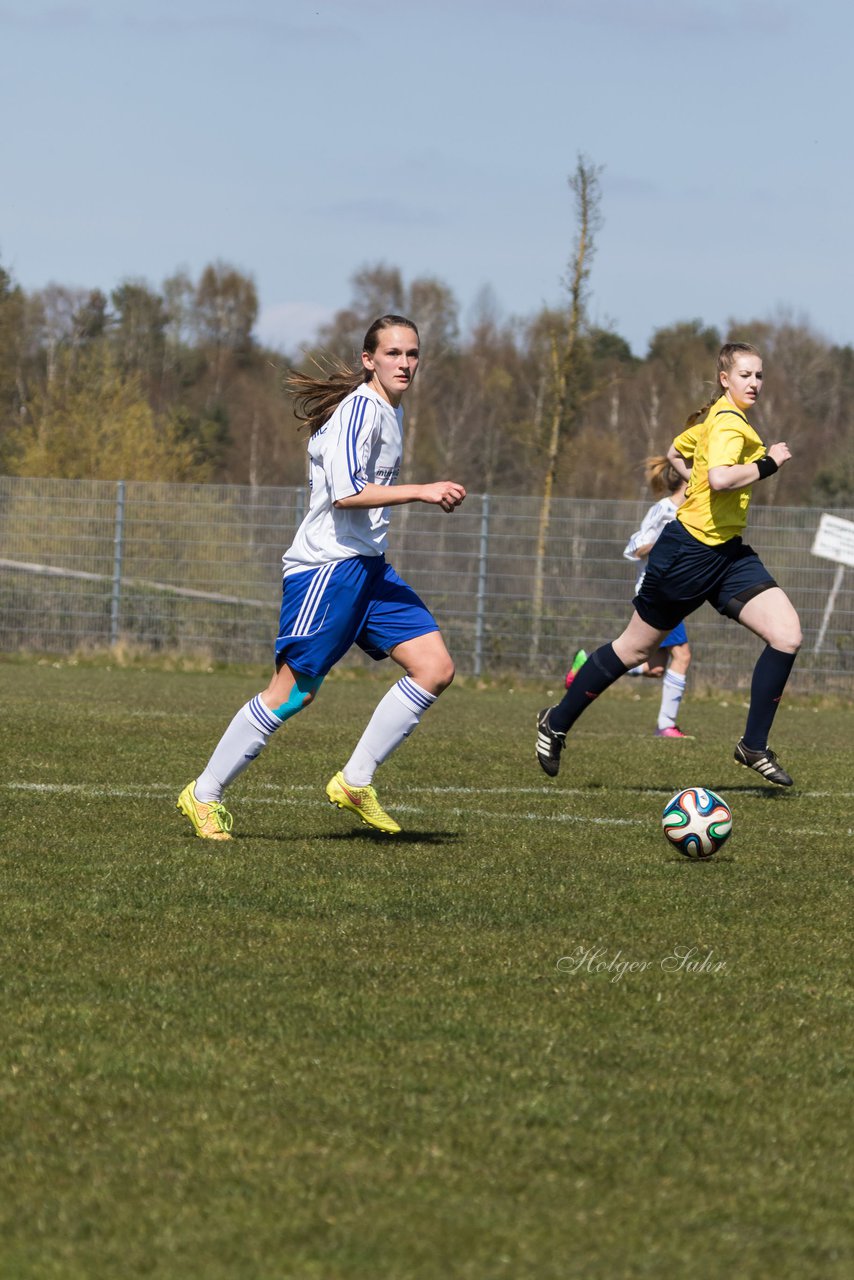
point(383, 212)
point(686, 17)
point(252, 21)
point(58, 16)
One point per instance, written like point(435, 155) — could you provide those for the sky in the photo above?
point(302, 140)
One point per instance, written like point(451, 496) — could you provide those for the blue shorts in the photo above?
point(682, 573)
point(360, 601)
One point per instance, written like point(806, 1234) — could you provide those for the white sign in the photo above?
point(834, 540)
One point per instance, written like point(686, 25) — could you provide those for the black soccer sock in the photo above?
point(769, 680)
point(599, 672)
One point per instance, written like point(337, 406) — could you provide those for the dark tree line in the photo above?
point(170, 384)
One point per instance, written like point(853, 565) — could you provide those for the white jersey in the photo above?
point(650, 531)
point(362, 443)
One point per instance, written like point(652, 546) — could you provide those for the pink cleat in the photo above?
point(672, 731)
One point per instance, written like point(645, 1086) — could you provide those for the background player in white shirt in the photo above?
point(338, 589)
point(674, 654)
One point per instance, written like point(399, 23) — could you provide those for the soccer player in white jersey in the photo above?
point(673, 658)
point(671, 662)
point(338, 589)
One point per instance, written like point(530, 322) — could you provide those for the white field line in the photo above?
point(158, 789)
point(154, 788)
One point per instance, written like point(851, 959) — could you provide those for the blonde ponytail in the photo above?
point(661, 476)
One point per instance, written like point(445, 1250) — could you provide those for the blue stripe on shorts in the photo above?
point(361, 601)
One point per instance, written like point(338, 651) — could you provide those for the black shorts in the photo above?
point(682, 573)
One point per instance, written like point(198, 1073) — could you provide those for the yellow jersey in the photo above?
point(723, 439)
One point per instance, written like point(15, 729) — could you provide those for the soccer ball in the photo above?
point(697, 822)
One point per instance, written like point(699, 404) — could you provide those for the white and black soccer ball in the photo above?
point(697, 822)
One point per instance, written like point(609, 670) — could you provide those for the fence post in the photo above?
point(481, 585)
point(118, 552)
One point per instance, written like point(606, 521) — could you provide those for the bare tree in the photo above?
point(564, 343)
point(432, 306)
point(226, 310)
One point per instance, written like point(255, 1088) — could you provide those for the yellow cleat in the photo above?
point(210, 821)
point(363, 802)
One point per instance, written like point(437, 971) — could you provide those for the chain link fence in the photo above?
point(196, 569)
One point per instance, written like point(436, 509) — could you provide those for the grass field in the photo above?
point(317, 1052)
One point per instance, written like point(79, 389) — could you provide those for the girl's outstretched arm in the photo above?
point(446, 494)
point(744, 473)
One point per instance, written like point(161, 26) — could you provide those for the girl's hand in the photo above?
point(780, 453)
point(444, 493)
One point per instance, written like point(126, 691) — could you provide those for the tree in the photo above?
point(90, 318)
point(374, 291)
point(485, 430)
point(676, 378)
point(95, 423)
point(684, 350)
point(139, 332)
point(432, 306)
point(13, 396)
point(58, 310)
point(226, 308)
point(564, 342)
point(807, 401)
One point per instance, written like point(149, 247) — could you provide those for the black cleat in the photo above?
point(549, 744)
point(764, 762)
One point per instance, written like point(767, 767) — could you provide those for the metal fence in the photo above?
point(196, 569)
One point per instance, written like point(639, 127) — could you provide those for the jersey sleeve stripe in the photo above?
point(358, 409)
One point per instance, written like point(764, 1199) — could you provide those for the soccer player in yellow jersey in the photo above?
point(701, 557)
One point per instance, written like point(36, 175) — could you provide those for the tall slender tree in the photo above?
point(564, 351)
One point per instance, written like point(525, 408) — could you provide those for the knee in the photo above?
point(435, 677)
point(289, 701)
point(680, 659)
point(791, 640)
point(444, 675)
point(797, 637)
point(633, 654)
point(787, 636)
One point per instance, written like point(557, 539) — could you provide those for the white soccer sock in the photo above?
point(395, 717)
point(671, 696)
point(244, 739)
point(639, 670)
